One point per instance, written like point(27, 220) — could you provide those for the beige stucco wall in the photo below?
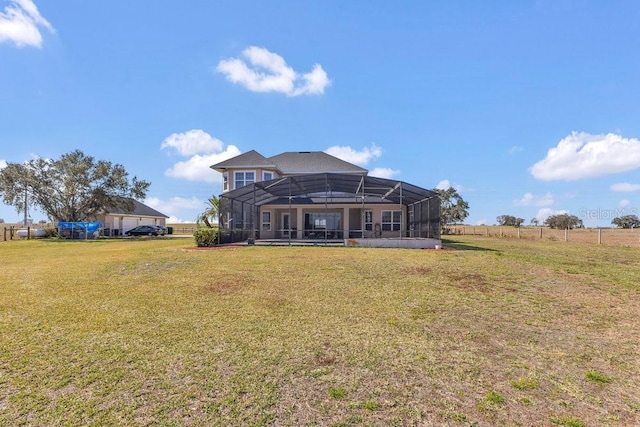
point(351, 219)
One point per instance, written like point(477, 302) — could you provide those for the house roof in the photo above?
point(291, 163)
point(311, 162)
point(250, 159)
point(328, 184)
point(139, 209)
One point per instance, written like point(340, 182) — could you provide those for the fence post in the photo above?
point(566, 234)
point(518, 232)
point(540, 233)
point(599, 236)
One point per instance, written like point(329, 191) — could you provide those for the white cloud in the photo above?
point(445, 184)
point(625, 187)
point(20, 23)
point(195, 141)
point(384, 172)
point(179, 209)
point(204, 151)
point(3, 164)
point(268, 72)
point(624, 203)
point(545, 213)
point(198, 168)
point(530, 200)
point(582, 155)
point(350, 155)
point(515, 149)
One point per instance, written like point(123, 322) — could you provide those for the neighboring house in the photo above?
point(313, 195)
point(117, 221)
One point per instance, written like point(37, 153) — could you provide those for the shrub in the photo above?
point(206, 237)
point(51, 232)
point(494, 397)
point(597, 377)
point(337, 392)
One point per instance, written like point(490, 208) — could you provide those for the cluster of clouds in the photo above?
point(260, 70)
point(202, 151)
point(21, 22)
point(583, 155)
point(362, 158)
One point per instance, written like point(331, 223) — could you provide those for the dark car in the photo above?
point(144, 230)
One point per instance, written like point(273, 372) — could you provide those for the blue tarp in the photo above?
point(79, 230)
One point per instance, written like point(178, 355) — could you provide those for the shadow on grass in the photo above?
point(458, 246)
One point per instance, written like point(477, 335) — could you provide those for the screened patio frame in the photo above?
point(242, 205)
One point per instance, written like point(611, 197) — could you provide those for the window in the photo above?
point(267, 176)
point(266, 221)
point(244, 178)
point(368, 220)
point(391, 220)
point(225, 181)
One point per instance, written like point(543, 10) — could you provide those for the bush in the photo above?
point(51, 232)
point(206, 237)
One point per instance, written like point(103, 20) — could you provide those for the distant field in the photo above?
point(605, 236)
point(489, 332)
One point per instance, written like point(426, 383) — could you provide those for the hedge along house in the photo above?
point(315, 197)
point(117, 221)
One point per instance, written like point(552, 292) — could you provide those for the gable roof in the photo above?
point(291, 163)
point(310, 162)
point(139, 209)
point(250, 159)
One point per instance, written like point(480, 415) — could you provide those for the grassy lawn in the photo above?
point(494, 332)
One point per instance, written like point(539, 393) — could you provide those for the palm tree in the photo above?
point(211, 213)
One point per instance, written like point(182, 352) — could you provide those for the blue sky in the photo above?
point(528, 108)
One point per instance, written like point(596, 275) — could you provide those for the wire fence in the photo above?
point(601, 236)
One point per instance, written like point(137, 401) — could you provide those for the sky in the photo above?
point(527, 108)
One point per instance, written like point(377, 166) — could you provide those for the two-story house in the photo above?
point(316, 196)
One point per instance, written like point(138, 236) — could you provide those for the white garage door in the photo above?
point(128, 224)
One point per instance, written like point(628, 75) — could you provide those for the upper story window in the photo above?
point(267, 176)
point(225, 181)
point(243, 178)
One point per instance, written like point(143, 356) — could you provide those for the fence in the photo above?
point(603, 236)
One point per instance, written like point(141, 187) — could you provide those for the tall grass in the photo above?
point(145, 332)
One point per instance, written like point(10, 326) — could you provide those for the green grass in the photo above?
point(143, 332)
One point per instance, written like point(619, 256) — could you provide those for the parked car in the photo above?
point(161, 230)
point(144, 230)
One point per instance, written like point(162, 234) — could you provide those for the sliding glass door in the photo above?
point(323, 225)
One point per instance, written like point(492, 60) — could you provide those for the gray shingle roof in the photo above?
point(138, 209)
point(250, 159)
point(306, 162)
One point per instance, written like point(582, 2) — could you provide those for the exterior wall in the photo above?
point(351, 220)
